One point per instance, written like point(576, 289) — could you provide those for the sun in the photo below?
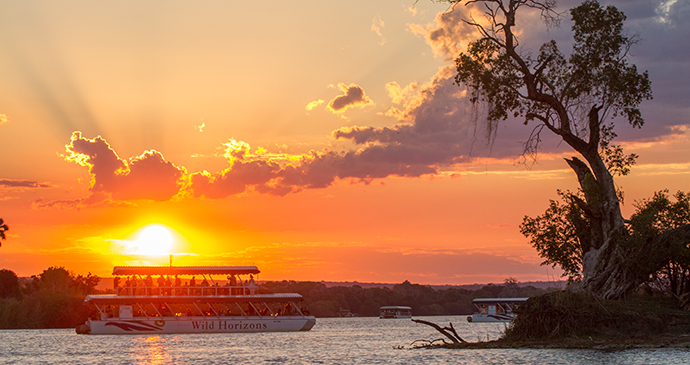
point(154, 239)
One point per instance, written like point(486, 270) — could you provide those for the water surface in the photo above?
point(331, 341)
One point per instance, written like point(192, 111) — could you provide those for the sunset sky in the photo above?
point(317, 140)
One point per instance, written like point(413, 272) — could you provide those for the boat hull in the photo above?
point(164, 325)
point(489, 318)
point(395, 316)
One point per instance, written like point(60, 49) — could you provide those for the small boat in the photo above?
point(495, 309)
point(213, 306)
point(395, 311)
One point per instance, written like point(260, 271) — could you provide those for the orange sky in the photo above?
point(316, 140)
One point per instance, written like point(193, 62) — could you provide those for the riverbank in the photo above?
point(679, 341)
point(576, 320)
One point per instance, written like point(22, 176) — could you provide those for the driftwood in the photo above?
point(446, 331)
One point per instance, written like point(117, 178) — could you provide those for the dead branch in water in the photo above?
point(446, 331)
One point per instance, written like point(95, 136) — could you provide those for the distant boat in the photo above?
point(495, 309)
point(345, 313)
point(395, 311)
point(140, 307)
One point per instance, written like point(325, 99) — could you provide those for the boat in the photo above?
point(230, 304)
point(495, 309)
point(395, 311)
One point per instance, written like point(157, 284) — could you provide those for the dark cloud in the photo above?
point(312, 171)
point(353, 96)
point(12, 183)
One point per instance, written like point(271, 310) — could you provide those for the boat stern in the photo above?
point(84, 329)
point(311, 321)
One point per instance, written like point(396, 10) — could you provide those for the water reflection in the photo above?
point(152, 350)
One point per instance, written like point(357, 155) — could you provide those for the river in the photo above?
point(331, 341)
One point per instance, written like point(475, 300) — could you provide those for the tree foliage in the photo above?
point(657, 217)
point(559, 93)
point(52, 299)
point(9, 284)
point(3, 228)
point(558, 235)
point(657, 233)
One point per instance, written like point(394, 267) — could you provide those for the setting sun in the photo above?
point(154, 239)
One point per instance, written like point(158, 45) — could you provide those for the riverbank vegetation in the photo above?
point(575, 319)
point(52, 299)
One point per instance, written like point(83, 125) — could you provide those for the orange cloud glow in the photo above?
point(353, 97)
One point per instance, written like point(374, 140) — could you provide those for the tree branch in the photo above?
point(453, 336)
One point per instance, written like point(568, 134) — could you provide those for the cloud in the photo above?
point(448, 33)
point(148, 176)
point(3, 119)
point(285, 174)
point(437, 129)
point(13, 183)
point(376, 26)
point(353, 97)
point(313, 105)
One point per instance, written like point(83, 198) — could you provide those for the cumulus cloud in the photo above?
point(353, 97)
point(448, 33)
point(147, 176)
point(281, 175)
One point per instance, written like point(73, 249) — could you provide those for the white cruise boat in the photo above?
point(395, 311)
point(187, 299)
point(495, 309)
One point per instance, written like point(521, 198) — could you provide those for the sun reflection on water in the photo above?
point(153, 350)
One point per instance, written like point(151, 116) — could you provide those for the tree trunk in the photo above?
point(613, 264)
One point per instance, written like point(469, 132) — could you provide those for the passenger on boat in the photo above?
point(161, 283)
point(288, 309)
point(148, 283)
point(233, 284)
point(252, 285)
point(168, 285)
point(192, 284)
point(178, 284)
point(204, 284)
point(116, 284)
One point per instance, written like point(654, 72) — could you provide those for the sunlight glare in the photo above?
point(153, 240)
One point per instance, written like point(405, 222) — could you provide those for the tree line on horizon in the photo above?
point(54, 298)
point(323, 301)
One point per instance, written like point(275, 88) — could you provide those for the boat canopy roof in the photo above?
point(185, 270)
point(112, 299)
point(395, 307)
point(499, 300)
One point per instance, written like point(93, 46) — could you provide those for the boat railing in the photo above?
point(186, 290)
